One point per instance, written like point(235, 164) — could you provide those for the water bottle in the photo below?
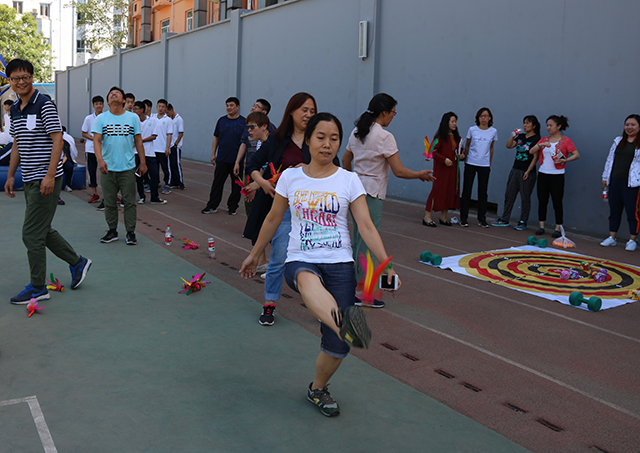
point(167, 236)
point(605, 194)
point(212, 248)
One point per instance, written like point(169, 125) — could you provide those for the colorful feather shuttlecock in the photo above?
point(54, 286)
point(32, 307)
point(193, 285)
point(243, 184)
point(275, 175)
point(190, 245)
point(428, 148)
point(371, 276)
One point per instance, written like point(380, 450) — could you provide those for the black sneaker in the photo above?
point(79, 271)
point(28, 293)
point(464, 224)
point(159, 201)
point(556, 234)
point(376, 303)
point(521, 226)
point(353, 327)
point(484, 224)
point(322, 398)
point(208, 210)
point(101, 206)
point(61, 202)
point(500, 223)
point(112, 235)
point(131, 238)
point(233, 212)
point(267, 318)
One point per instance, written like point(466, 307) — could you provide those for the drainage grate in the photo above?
point(224, 264)
point(445, 374)
point(515, 408)
point(389, 346)
point(549, 425)
point(471, 387)
point(598, 449)
point(233, 268)
point(286, 296)
point(410, 357)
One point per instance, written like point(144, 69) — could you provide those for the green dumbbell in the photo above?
point(430, 258)
point(593, 303)
point(532, 240)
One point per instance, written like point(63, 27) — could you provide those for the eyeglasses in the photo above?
point(251, 126)
point(20, 79)
point(394, 112)
point(259, 106)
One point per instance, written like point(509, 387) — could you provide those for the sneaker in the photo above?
point(353, 328)
point(141, 200)
point(484, 224)
point(322, 399)
point(262, 268)
point(232, 212)
point(61, 202)
point(521, 226)
point(609, 242)
point(166, 190)
point(208, 210)
point(68, 189)
point(464, 224)
point(79, 271)
point(94, 198)
point(500, 223)
point(112, 235)
point(101, 206)
point(131, 238)
point(263, 276)
point(28, 293)
point(376, 303)
point(540, 232)
point(159, 201)
point(631, 246)
point(147, 188)
point(267, 318)
point(556, 234)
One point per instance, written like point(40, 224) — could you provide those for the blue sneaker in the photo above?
point(29, 293)
point(79, 272)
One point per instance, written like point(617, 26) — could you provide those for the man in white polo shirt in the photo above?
point(162, 143)
point(90, 157)
point(175, 157)
point(148, 132)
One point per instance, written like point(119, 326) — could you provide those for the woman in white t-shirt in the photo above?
point(554, 152)
point(319, 262)
point(370, 153)
point(478, 153)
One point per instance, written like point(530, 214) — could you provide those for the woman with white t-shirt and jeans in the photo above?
point(478, 153)
point(319, 262)
point(554, 152)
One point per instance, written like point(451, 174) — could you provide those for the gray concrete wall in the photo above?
point(571, 57)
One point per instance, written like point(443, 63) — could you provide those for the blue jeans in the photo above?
point(340, 280)
point(275, 270)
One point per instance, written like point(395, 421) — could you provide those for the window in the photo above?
point(165, 26)
point(44, 9)
point(18, 7)
point(189, 20)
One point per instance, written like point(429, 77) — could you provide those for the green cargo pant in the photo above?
point(37, 234)
point(125, 182)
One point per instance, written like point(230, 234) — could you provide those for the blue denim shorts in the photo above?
point(340, 280)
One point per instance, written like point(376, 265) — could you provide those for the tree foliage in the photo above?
point(20, 38)
point(104, 23)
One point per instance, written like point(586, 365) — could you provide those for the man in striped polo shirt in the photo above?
point(37, 146)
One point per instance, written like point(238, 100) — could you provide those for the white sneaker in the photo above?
point(631, 246)
point(68, 189)
point(263, 276)
point(609, 242)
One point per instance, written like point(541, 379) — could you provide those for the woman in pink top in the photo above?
point(370, 153)
point(554, 151)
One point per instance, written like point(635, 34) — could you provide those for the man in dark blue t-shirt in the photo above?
point(226, 140)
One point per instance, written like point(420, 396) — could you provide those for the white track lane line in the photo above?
point(38, 419)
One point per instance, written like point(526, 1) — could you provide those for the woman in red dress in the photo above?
point(445, 193)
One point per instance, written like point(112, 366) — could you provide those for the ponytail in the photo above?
point(561, 121)
point(379, 104)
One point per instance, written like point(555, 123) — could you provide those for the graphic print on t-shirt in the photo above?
point(317, 212)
